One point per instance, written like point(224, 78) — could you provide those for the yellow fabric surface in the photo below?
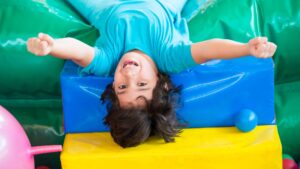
point(205, 148)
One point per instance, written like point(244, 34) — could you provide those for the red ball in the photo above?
point(289, 164)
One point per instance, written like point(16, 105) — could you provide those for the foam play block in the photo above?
point(208, 148)
point(212, 94)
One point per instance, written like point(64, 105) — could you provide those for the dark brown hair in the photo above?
point(133, 125)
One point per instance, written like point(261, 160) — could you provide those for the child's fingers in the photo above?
point(29, 43)
point(264, 40)
point(37, 47)
point(261, 50)
point(266, 52)
point(46, 37)
point(42, 48)
point(258, 40)
point(32, 45)
point(44, 45)
point(272, 49)
point(37, 43)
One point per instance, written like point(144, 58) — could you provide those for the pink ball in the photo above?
point(289, 164)
point(14, 144)
point(15, 149)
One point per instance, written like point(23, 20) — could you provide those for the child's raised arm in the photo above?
point(227, 49)
point(65, 48)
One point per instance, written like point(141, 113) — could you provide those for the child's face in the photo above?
point(135, 76)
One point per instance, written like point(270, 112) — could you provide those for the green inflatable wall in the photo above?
point(29, 85)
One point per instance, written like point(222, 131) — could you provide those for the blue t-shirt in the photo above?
point(151, 26)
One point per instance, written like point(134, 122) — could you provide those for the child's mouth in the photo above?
point(130, 62)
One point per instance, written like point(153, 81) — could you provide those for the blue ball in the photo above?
point(246, 120)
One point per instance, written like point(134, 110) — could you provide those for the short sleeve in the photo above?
point(102, 64)
point(177, 57)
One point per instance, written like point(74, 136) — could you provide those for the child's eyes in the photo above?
point(142, 84)
point(123, 86)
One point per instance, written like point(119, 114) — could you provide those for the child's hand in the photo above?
point(41, 45)
point(261, 48)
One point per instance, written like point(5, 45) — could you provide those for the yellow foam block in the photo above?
point(206, 148)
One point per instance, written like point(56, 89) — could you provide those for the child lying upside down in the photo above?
point(141, 42)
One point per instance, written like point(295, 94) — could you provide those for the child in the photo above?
point(141, 41)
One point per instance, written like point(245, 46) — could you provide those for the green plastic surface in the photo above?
point(19, 21)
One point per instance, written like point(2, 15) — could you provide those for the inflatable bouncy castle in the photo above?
point(46, 93)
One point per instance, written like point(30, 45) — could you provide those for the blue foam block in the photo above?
point(213, 94)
